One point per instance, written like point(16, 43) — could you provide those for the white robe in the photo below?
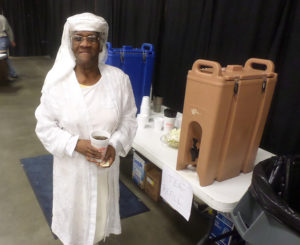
point(62, 118)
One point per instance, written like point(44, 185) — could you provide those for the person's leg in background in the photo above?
point(12, 71)
point(4, 45)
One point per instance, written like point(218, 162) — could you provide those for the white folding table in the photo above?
point(221, 196)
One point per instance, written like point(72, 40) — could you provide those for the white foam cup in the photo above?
point(146, 101)
point(158, 123)
point(145, 110)
point(145, 106)
point(142, 120)
point(100, 144)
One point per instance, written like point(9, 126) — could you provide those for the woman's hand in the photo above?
point(108, 159)
point(92, 153)
point(110, 155)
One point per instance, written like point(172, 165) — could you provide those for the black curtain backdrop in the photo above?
point(182, 31)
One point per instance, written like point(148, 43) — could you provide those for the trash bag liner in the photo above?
point(274, 185)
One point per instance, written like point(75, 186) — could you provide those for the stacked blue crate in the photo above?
point(137, 64)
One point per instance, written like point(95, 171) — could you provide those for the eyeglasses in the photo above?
point(89, 39)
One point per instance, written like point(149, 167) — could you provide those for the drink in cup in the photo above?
point(100, 140)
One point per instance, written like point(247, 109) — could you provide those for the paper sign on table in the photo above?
point(177, 192)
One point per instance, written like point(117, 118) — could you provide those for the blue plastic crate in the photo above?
point(137, 64)
point(222, 224)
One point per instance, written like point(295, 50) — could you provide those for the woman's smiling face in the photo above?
point(86, 47)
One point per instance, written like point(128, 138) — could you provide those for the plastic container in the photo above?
point(169, 120)
point(258, 227)
point(225, 110)
point(137, 64)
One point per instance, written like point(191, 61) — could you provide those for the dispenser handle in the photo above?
point(216, 68)
point(267, 63)
point(108, 45)
point(147, 47)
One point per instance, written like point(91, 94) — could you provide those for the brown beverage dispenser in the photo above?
point(225, 110)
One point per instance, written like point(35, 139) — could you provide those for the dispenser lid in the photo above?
point(254, 69)
point(170, 113)
point(232, 72)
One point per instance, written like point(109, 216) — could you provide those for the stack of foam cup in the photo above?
point(143, 117)
point(178, 120)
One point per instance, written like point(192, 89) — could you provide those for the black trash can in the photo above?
point(269, 212)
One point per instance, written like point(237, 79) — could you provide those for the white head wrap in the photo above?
point(65, 60)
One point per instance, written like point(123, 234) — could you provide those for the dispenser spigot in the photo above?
point(194, 150)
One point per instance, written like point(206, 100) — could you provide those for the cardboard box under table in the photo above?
point(139, 168)
point(153, 182)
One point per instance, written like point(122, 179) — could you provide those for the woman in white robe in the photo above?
point(81, 94)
